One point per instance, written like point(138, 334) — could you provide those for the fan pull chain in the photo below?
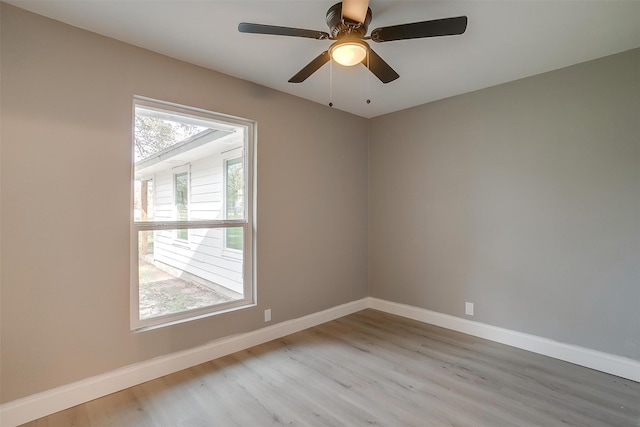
point(330, 83)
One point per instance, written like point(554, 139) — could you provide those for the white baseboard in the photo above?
point(48, 402)
point(600, 361)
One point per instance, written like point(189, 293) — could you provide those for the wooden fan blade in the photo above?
point(311, 67)
point(247, 27)
point(416, 30)
point(380, 68)
point(355, 10)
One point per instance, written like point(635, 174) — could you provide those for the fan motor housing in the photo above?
point(340, 28)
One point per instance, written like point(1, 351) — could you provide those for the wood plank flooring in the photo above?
point(371, 369)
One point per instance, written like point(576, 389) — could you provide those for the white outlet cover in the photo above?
point(468, 308)
point(267, 315)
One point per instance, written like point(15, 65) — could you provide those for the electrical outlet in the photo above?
point(468, 308)
point(267, 315)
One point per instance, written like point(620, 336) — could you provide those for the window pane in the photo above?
point(181, 202)
point(234, 201)
point(190, 166)
point(183, 170)
point(157, 131)
point(234, 189)
point(234, 238)
point(173, 279)
point(143, 200)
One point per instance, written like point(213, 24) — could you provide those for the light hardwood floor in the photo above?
point(371, 368)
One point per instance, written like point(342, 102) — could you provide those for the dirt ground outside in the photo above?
point(162, 293)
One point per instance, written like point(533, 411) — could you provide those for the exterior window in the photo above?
point(181, 185)
point(234, 175)
point(193, 214)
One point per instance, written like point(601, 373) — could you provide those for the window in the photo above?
point(193, 214)
point(181, 192)
point(234, 200)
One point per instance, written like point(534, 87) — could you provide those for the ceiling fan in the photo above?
point(348, 23)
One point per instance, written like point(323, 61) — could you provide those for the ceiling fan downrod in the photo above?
point(340, 27)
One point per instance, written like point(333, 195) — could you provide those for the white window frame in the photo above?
point(248, 224)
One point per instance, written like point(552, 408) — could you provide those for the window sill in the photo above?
point(196, 316)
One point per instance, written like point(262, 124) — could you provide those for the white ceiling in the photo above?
point(504, 41)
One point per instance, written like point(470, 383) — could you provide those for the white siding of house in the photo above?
point(205, 196)
point(163, 196)
point(203, 254)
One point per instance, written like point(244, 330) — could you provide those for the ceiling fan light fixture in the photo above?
point(349, 30)
point(349, 52)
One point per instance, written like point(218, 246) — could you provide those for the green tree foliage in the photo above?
point(153, 135)
point(235, 185)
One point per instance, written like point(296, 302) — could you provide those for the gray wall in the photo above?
point(66, 150)
point(522, 198)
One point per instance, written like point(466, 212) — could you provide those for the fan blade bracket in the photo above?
point(274, 30)
point(416, 30)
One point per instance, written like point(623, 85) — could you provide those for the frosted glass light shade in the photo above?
point(349, 53)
